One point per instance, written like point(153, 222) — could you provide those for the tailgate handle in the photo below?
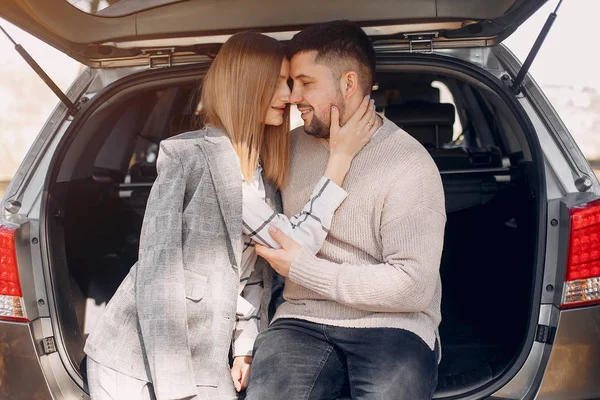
point(159, 58)
point(423, 39)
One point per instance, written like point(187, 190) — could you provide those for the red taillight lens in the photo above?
point(11, 300)
point(582, 281)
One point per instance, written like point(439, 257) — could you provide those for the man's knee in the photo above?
point(415, 378)
point(271, 346)
point(406, 368)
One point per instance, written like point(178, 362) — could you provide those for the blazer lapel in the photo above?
point(225, 172)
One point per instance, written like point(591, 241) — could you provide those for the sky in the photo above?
point(25, 100)
point(566, 58)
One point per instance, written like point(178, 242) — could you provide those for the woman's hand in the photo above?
point(349, 139)
point(345, 142)
point(240, 372)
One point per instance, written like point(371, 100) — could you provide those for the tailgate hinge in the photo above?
point(545, 334)
point(159, 58)
point(421, 42)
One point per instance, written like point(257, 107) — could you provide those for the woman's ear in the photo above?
point(349, 84)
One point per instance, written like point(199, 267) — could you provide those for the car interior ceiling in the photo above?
point(487, 262)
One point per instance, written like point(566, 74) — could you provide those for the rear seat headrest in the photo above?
point(420, 113)
point(430, 123)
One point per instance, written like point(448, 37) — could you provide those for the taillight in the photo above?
point(582, 280)
point(11, 300)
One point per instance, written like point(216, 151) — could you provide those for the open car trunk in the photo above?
point(127, 29)
point(101, 181)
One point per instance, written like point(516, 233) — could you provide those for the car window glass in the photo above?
point(447, 97)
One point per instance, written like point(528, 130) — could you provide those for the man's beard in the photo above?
point(319, 128)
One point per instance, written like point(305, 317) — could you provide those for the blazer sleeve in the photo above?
point(160, 286)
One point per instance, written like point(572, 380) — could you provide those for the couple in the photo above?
point(361, 301)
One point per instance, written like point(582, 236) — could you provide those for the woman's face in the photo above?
point(281, 97)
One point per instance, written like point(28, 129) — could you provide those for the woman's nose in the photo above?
point(285, 94)
point(295, 97)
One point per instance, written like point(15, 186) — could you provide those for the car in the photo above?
point(521, 261)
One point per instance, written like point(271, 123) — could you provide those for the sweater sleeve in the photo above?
point(404, 282)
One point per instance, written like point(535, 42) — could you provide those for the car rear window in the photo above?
point(117, 8)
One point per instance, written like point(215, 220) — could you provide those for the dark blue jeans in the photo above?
point(296, 359)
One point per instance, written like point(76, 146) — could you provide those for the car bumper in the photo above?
point(21, 376)
point(573, 369)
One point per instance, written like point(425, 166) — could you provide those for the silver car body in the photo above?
point(562, 359)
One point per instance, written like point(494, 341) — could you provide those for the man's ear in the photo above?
point(349, 84)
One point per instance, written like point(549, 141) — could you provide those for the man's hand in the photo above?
point(240, 372)
point(280, 259)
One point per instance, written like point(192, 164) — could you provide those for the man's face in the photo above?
point(314, 91)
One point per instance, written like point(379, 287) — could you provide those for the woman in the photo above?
point(168, 330)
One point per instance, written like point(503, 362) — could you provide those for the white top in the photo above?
point(309, 228)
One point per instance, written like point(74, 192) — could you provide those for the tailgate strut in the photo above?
point(36, 67)
point(518, 82)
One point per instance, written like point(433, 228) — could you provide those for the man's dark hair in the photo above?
point(340, 45)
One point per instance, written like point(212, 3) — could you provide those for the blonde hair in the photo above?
point(236, 95)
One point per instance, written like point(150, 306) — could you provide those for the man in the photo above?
point(365, 312)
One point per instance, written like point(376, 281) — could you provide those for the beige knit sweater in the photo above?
point(379, 266)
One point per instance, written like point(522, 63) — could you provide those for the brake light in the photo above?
point(11, 300)
point(582, 280)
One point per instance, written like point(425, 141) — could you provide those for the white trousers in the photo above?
point(107, 384)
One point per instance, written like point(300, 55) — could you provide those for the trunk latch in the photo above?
point(49, 345)
point(545, 334)
point(159, 58)
point(421, 42)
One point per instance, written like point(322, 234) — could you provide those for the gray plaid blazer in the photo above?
point(171, 321)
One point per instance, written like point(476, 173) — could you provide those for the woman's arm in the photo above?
point(247, 323)
point(310, 227)
point(160, 285)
